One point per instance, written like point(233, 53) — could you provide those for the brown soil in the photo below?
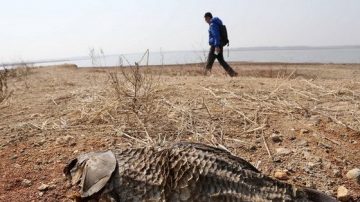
point(55, 113)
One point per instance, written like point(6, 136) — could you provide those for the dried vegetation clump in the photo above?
point(4, 90)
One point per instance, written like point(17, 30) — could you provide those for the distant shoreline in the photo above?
point(248, 63)
point(238, 63)
point(196, 52)
point(265, 48)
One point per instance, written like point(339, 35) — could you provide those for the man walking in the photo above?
point(216, 49)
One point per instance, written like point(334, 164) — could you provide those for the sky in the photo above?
point(49, 29)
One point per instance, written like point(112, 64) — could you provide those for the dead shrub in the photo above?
point(4, 90)
point(136, 92)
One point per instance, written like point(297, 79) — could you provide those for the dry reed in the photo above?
point(139, 106)
point(4, 90)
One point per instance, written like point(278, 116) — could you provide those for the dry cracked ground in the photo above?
point(296, 122)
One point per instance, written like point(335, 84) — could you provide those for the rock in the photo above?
point(281, 175)
point(343, 194)
point(276, 138)
point(283, 151)
point(43, 187)
point(26, 183)
point(41, 194)
point(42, 142)
point(354, 174)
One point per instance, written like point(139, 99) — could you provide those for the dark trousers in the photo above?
point(220, 58)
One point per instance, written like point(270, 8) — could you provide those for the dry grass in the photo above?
point(104, 108)
point(137, 95)
point(145, 110)
point(4, 90)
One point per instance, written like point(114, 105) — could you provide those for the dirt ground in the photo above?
point(300, 119)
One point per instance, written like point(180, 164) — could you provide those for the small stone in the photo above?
point(276, 138)
point(283, 151)
point(281, 175)
point(41, 194)
point(43, 187)
point(343, 194)
point(354, 174)
point(26, 183)
point(42, 142)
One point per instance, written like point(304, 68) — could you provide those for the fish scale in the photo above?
point(187, 172)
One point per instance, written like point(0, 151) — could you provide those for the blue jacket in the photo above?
point(214, 32)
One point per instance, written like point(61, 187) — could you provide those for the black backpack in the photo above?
point(224, 36)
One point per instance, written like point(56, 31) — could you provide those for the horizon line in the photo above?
point(245, 48)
